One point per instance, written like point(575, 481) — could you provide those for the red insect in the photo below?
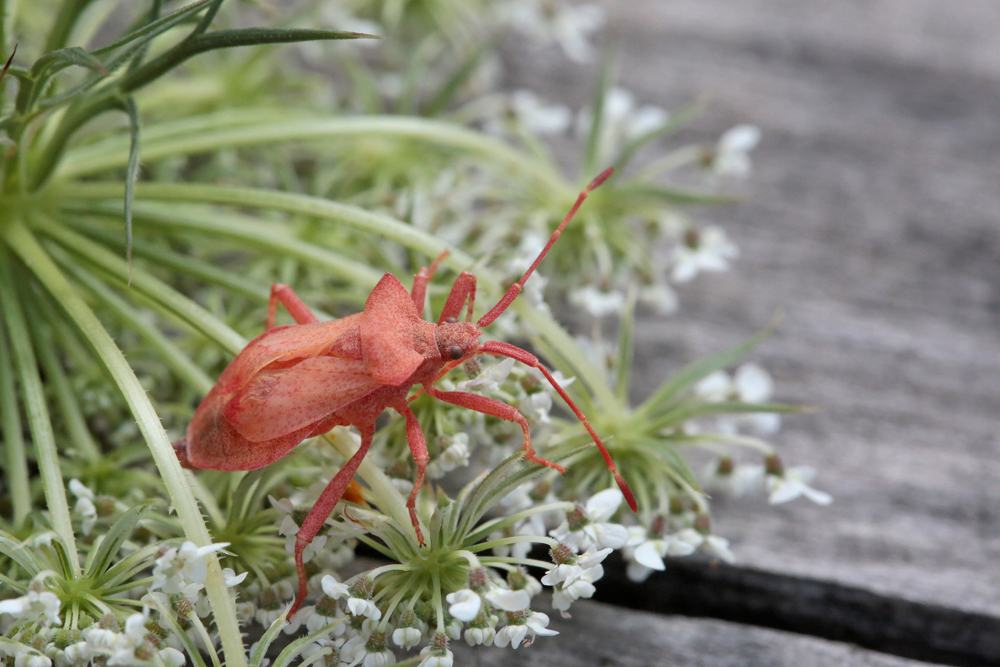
point(298, 381)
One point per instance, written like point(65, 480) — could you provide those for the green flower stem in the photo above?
point(159, 292)
point(69, 407)
point(516, 539)
point(250, 231)
point(28, 248)
point(16, 463)
point(168, 352)
point(376, 223)
point(502, 522)
point(181, 264)
point(35, 406)
point(108, 155)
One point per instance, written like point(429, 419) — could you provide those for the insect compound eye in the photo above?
point(451, 320)
point(455, 352)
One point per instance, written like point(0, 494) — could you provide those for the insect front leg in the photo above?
point(293, 304)
point(318, 515)
point(463, 290)
point(424, 276)
point(418, 447)
point(494, 408)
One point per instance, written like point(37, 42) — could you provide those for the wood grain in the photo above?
point(873, 224)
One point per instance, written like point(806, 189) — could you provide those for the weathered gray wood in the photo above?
point(601, 635)
point(873, 224)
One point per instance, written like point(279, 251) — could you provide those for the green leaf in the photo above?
point(114, 538)
point(626, 349)
point(458, 79)
point(131, 174)
point(156, 28)
point(73, 55)
point(673, 123)
point(690, 375)
point(604, 84)
point(20, 554)
point(677, 195)
point(702, 409)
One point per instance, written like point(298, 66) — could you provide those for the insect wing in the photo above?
point(389, 329)
point(284, 400)
point(296, 340)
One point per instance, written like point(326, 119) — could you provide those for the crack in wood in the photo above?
point(892, 625)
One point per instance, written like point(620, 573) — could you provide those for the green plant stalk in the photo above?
point(76, 426)
point(223, 607)
point(376, 223)
point(111, 154)
point(134, 79)
point(39, 421)
point(16, 460)
point(250, 231)
point(172, 356)
point(174, 302)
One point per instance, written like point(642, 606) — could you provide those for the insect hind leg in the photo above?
point(418, 447)
point(318, 515)
point(293, 304)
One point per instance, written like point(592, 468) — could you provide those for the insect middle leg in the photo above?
point(494, 408)
point(418, 447)
point(293, 304)
point(320, 512)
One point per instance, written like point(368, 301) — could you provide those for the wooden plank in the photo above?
point(601, 635)
point(873, 225)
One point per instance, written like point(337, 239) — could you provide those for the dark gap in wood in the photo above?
point(904, 628)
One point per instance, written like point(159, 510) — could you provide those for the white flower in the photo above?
point(660, 297)
point(597, 302)
point(172, 657)
point(84, 505)
point(476, 635)
point(407, 637)
point(536, 406)
point(567, 573)
point(795, 483)
point(707, 249)
point(465, 604)
point(508, 600)
point(621, 122)
point(735, 479)
point(333, 588)
point(32, 658)
point(515, 632)
point(490, 379)
point(531, 113)
point(78, 653)
point(362, 607)
point(749, 384)
point(568, 25)
point(713, 544)
point(590, 524)
point(732, 154)
point(177, 568)
point(233, 579)
point(100, 640)
point(455, 455)
point(435, 658)
point(37, 603)
point(126, 643)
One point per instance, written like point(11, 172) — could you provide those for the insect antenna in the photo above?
point(515, 289)
point(498, 348)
